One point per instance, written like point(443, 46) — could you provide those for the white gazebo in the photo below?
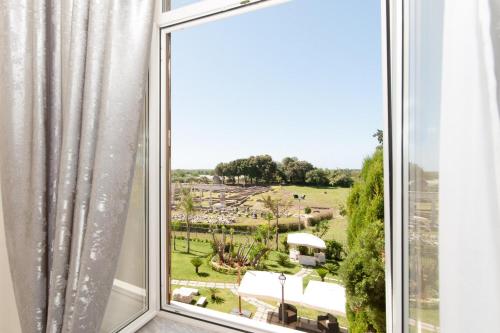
point(307, 240)
point(267, 286)
point(327, 297)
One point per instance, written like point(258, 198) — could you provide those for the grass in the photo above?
point(182, 269)
point(225, 301)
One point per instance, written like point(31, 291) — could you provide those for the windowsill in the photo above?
point(224, 322)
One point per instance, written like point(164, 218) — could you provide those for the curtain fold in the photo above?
point(470, 168)
point(73, 79)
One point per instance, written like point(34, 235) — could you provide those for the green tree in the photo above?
point(176, 226)
point(187, 206)
point(317, 177)
point(363, 269)
point(322, 273)
point(196, 262)
point(278, 207)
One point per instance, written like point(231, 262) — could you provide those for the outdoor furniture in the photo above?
point(294, 254)
point(201, 301)
point(320, 257)
point(309, 241)
point(290, 313)
point(328, 324)
point(184, 295)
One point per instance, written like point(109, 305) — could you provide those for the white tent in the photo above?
point(322, 296)
point(266, 285)
point(305, 239)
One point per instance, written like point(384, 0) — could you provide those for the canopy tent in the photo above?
point(305, 239)
point(322, 296)
point(266, 285)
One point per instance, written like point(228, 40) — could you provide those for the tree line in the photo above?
point(262, 169)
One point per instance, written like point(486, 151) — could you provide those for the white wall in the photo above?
point(9, 320)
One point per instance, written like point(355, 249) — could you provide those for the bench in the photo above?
point(201, 301)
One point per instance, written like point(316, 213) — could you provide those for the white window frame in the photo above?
point(394, 69)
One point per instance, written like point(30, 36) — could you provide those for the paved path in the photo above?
point(304, 271)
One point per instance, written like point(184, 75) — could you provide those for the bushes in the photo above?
point(283, 260)
point(334, 251)
point(317, 218)
point(363, 269)
point(307, 210)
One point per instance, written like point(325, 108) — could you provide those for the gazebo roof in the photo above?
point(305, 239)
point(266, 285)
point(322, 296)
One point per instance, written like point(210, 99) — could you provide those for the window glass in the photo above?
point(271, 124)
point(128, 297)
point(424, 95)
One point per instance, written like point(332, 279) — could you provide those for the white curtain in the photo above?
point(470, 168)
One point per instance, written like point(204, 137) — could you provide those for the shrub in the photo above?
point(363, 269)
point(213, 293)
point(307, 210)
point(334, 250)
point(322, 273)
point(283, 259)
point(332, 268)
point(196, 262)
point(317, 218)
point(285, 245)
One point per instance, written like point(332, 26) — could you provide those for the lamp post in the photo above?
point(282, 279)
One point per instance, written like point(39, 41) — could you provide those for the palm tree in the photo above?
point(187, 206)
point(278, 207)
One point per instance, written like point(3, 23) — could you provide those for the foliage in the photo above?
point(317, 177)
point(213, 293)
point(322, 272)
point(332, 268)
point(196, 262)
point(278, 207)
point(283, 260)
point(321, 228)
point(303, 250)
point(363, 268)
point(317, 218)
point(341, 178)
point(187, 206)
point(307, 210)
point(334, 251)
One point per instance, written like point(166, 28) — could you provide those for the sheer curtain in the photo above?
point(470, 168)
point(73, 77)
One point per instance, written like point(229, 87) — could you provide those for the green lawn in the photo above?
point(182, 269)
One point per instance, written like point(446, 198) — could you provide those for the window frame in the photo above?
point(394, 67)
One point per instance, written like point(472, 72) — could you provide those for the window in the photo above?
point(129, 297)
point(215, 78)
point(425, 34)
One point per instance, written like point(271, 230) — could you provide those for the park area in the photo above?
point(220, 232)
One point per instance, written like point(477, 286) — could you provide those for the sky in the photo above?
point(298, 79)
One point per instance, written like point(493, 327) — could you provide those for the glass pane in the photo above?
point(424, 95)
point(271, 124)
point(128, 297)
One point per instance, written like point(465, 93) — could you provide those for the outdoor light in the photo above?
point(282, 279)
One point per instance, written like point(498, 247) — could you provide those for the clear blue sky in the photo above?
point(299, 79)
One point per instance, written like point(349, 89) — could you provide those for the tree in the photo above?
point(176, 225)
point(321, 228)
point(317, 177)
point(341, 178)
point(322, 273)
point(186, 205)
point(278, 207)
point(379, 134)
point(196, 262)
point(363, 269)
